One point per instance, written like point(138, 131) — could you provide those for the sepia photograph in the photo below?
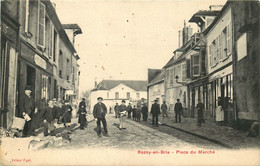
point(130, 82)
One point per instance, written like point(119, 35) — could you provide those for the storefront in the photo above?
point(35, 71)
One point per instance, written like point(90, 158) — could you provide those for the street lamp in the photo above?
point(182, 83)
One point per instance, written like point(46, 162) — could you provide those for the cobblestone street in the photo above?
point(137, 135)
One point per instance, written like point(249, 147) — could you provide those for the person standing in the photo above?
point(67, 115)
point(138, 113)
point(145, 112)
point(164, 109)
point(178, 110)
point(99, 113)
point(122, 115)
point(220, 112)
point(49, 116)
point(82, 114)
point(134, 113)
point(129, 110)
point(27, 108)
point(200, 108)
point(116, 110)
point(155, 111)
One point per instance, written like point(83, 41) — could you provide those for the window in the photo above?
point(128, 95)
point(48, 36)
point(41, 25)
point(196, 65)
point(73, 74)
point(171, 76)
point(107, 95)
point(184, 72)
point(138, 95)
point(188, 68)
point(45, 83)
point(68, 78)
point(117, 95)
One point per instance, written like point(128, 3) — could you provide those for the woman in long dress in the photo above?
point(219, 112)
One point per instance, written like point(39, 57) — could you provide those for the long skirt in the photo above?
point(219, 114)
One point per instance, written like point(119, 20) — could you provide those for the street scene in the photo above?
point(129, 82)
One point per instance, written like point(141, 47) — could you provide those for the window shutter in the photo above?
point(41, 25)
point(203, 64)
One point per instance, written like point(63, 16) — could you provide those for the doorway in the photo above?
point(30, 80)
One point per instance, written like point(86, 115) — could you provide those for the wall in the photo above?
point(246, 14)
point(156, 94)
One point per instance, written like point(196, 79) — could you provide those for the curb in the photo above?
point(201, 136)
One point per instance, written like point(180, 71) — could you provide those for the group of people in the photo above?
point(132, 112)
point(55, 112)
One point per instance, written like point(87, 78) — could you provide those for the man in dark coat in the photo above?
point(27, 107)
point(116, 108)
point(99, 113)
point(178, 110)
point(82, 114)
point(200, 108)
point(49, 116)
point(145, 112)
point(155, 111)
point(164, 109)
point(66, 117)
point(129, 110)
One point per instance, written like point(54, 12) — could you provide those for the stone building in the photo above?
point(32, 38)
point(113, 91)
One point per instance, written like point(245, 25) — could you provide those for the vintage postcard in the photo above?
point(129, 82)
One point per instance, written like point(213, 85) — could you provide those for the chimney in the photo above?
point(215, 7)
point(180, 38)
point(187, 33)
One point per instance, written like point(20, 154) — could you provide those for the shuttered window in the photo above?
point(183, 66)
point(195, 65)
point(188, 68)
point(41, 25)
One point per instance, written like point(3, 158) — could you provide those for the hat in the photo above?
point(99, 98)
point(155, 100)
point(83, 99)
point(123, 101)
point(28, 87)
point(178, 99)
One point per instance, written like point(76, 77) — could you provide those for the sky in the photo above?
point(122, 39)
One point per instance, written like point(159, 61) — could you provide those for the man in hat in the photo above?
point(178, 110)
point(164, 109)
point(145, 112)
point(67, 116)
point(27, 107)
point(122, 114)
point(155, 111)
point(82, 114)
point(116, 108)
point(129, 110)
point(200, 108)
point(99, 113)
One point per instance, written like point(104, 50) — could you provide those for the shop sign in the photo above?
point(40, 62)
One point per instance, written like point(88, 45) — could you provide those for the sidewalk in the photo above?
point(40, 141)
point(223, 135)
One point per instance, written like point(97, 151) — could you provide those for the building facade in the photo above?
point(113, 91)
point(156, 89)
point(32, 37)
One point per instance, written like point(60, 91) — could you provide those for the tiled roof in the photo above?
point(159, 78)
point(110, 84)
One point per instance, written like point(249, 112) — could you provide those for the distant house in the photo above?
point(113, 91)
point(156, 89)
